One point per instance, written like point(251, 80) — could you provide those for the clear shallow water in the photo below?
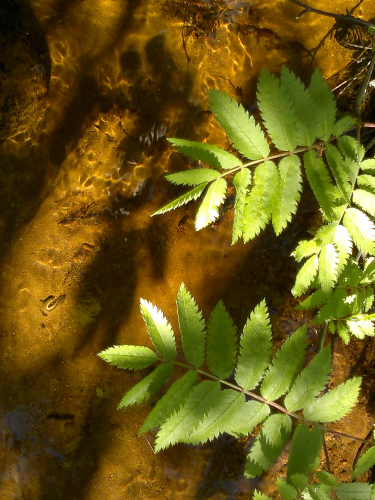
point(90, 90)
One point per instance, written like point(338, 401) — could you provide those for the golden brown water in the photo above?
point(89, 90)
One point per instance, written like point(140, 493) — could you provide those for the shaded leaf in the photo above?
point(365, 463)
point(304, 455)
point(255, 348)
point(148, 386)
point(221, 342)
point(305, 276)
point(199, 401)
point(290, 187)
point(207, 153)
point(241, 182)
point(325, 106)
point(192, 327)
point(170, 402)
point(277, 112)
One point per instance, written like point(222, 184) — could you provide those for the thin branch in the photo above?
point(347, 18)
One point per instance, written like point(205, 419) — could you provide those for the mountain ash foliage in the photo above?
point(242, 386)
point(300, 126)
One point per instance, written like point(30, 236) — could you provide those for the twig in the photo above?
point(348, 18)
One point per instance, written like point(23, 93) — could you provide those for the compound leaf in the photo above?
point(335, 404)
point(246, 135)
point(277, 112)
point(159, 329)
point(148, 386)
point(192, 327)
point(199, 401)
point(290, 186)
point(285, 366)
point(208, 211)
point(170, 402)
point(255, 347)
point(207, 153)
point(221, 342)
point(129, 356)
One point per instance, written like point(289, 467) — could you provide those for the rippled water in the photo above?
point(89, 92)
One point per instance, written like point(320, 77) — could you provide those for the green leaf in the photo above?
point(148, 386)
point(310, 382)
point(325, 107)
point(255, 347)
point(344, 124)
point(221, 342)
point(318, 492)
point(303, 106)
point(193, 194)
point(277, 112)
point(335, 404)
point(207, 153)
point(170, 402)
point(314, 300)
point(365, 200)
point(354, 150)
point(355, 491)
point(366, 180)
point(305, 276)
point(260, 496)
point(287, 491)
point(289, 193)
point(263, 454)
point(305, 249)
point(320, 182)
point(159, 329)
point(365, 463)
point(129, 356)
point(253, 413)
point(361, 229)
point(198, 403)
point(368, 166)
point(368, 275)
point(246, 135)
point(343, 332)
point(327, 479)
point(328, 268)
point(304, 451)
point(228, 405)
point(344, 245)
point(260, 204)
point(193, 177)
point(241, 182)
point(192, 327)
point(337, 166)
point(333, 308)
point(325, 235)
point(351, 275)
point(361, 328)
point(285, 366)
point(271, 429)
point(208, 211)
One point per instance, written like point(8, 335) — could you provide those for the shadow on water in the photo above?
point(67, 428)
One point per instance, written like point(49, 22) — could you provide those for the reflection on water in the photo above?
point(89, 93)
